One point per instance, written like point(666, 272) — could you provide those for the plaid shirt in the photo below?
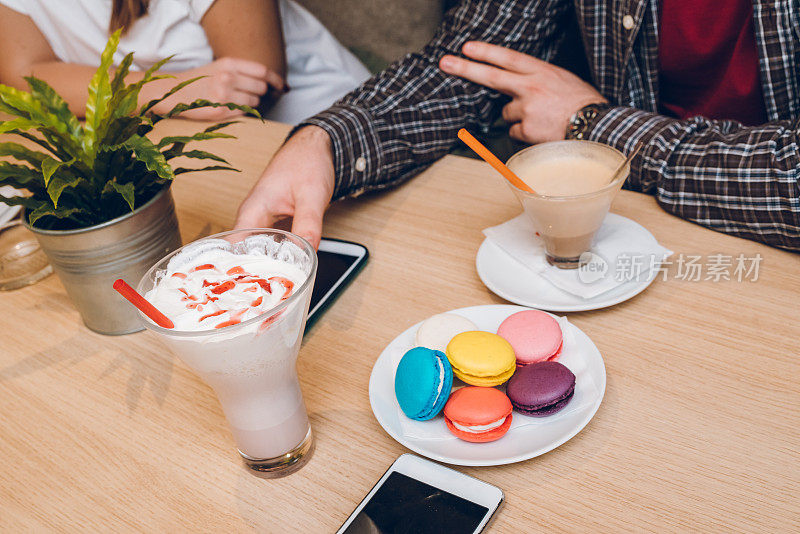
point(718, 173)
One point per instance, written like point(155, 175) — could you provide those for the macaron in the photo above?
point(422, 383)
point(478, 414)
point(534, 334)
point(541, 389)
point(437, 331)
point(481, 358)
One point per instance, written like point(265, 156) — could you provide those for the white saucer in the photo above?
point(520, 443)
point(508, 278)
point(8, 212)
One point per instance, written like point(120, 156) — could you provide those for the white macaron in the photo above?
point(437, 331)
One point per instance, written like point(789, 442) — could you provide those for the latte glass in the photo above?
point(567, 223)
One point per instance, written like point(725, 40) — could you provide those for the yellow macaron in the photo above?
point(481, 358)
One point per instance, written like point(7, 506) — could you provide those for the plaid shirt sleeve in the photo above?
point(406, 117)
point(735, 179)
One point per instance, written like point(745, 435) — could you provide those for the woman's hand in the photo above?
point(228, 79)
point(543, 97)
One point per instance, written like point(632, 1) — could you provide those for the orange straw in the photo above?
point(139, 301)
point(492, 160)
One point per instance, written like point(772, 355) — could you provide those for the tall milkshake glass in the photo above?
point(252, 365)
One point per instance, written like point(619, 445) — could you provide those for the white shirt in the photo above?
point(319, 69)
point(77, 31)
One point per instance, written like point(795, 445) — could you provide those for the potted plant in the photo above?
point(100, 203)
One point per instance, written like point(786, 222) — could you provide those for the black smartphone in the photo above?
point(338, 263)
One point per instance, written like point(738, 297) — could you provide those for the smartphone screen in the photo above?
point(404, 504)
point(338, 263)
point(331, 267)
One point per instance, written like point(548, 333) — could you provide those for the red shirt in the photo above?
point(709, 61)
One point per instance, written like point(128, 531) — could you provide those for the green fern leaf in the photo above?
point(59, 183)
point(33, 114)
point(201, 103)
point(119, 130)
point(21, 176)
point(122, 71)
point(21, 153)
point(39, 141)
point(220, 126)
point(199, 154)
point(99, 95)
point(149, 154)
point(20, 123)
point(148, 106)
point(183, 170)
point(50, 166)
point(127, 97)
point(126, 190)
point(29, 203)
point(200, 136)
point(46, 210)
point(45, 94)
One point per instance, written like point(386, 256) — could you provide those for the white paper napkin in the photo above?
point(586, 393)
point(624, 251)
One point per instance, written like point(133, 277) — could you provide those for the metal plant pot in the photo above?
point(88, 260)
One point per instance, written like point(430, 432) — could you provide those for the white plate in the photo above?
point(509, 279)
point(520, 443)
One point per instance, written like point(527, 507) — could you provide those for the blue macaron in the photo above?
point(422, 383)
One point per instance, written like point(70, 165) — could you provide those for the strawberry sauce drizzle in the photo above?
point(223, 287)
point(239, 277)
point(236, 318)
point(286, 283)
point(203, 318)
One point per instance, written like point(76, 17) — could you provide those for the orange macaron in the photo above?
point(478, 414)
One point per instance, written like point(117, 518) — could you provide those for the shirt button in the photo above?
point(361, 164)
point(627, 22)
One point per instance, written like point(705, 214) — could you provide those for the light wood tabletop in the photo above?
point(699, 429)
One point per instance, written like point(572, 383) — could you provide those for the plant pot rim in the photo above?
point(87, 229)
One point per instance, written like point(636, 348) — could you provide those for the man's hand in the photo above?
point(544, 97)
point(297, 183)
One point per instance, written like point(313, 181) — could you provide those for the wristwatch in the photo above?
point(579, 123)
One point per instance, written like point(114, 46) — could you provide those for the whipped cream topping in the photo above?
point(213, 288)
point(475, 429)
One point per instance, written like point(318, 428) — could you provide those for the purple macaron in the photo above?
point(541, 389)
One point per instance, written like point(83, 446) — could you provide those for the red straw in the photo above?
point(139, 301)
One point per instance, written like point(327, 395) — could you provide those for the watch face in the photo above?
point(579, 123)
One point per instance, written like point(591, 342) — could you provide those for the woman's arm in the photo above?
point(33, 56)
point(247, 29)
point(228, 79)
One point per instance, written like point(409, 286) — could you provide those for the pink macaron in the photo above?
point(534, 335)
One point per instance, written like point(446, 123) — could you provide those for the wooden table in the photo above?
point(698, 430)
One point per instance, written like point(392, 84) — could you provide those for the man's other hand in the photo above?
point(543, 97)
